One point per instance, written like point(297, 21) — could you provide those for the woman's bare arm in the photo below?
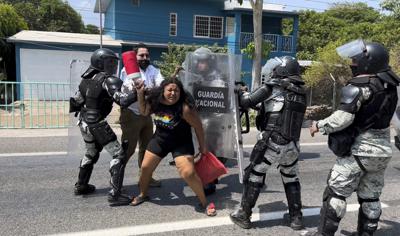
point(144, 107)
point(191, 116)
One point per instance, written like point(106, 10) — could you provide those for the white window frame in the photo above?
point(209, 25)
point(173, 25)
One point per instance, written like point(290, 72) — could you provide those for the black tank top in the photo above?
point(170, 123)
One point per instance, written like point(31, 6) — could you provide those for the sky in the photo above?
point(85, 7)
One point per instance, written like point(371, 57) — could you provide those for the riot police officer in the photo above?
point(282, 102)
point(98, 90)
point(359, 135)
point(209, 76)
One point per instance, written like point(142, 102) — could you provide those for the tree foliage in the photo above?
point(92, 29)
point(250, 49)
point(49, 15)
point(393, 6)
point(10, 23)
point(344, 22)
point(176, 54)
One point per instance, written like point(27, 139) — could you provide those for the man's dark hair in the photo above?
point(140, 45)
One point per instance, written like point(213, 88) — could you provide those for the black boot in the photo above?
point(366, 227)
point(82, 186)
point(329, 221)
point(293, 196)
point(242, 216)
point(115, 197)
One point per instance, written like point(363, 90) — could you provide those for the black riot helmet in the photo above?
point(367, 58)
point(203, 54)
point(280, 67)
point(104, 60)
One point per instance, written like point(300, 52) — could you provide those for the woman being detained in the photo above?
point(174, 116)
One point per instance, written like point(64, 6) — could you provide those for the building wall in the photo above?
point(149, 22)
point(50, 64)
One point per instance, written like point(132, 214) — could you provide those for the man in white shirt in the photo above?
point(135, 127)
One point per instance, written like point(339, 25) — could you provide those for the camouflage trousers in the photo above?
point(364, 176)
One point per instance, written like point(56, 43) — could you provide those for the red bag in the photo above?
point(209, 168)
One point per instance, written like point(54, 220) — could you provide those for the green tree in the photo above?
point(176, 54)
point(49, 15)
point(10, 24)
point(343, 22)
point(395, 58)
point(392, 6)
point(92, 29)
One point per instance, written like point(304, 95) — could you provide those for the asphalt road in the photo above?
point(37, 196)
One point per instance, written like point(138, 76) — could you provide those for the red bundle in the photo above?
point(131, 65)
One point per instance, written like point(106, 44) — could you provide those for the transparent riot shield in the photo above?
point(211, 81)
point(75, 141)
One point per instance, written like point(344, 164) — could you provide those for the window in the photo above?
point(230, 26)
point(208, 26)
point(136, 3)
point(172, 24)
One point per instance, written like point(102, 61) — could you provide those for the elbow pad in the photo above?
point(349, 99)
point(113, 85)
point(247, 100)
point(125, 99)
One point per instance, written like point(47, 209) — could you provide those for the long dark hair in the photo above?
point(155, 95)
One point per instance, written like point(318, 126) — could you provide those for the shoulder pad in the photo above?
point(114, 81)
point(360, 80)
point(390, 78)
point(350, 93)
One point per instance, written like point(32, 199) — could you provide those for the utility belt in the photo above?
point(91, 116)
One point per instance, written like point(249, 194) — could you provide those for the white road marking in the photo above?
point(30, 154)
point(195, 224)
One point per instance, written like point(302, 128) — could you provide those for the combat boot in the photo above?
point(242, 216)
point(83, 187)
point(293, 196)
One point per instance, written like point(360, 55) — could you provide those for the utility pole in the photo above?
point(101, 27)
point(334, 92)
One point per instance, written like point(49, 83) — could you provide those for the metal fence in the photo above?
point(279, 42)
point(34, 105)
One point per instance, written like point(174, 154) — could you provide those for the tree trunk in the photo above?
point(257, 6)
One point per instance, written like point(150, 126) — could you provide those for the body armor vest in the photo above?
point(383, 100)
point(98, 103)
point(284, 122)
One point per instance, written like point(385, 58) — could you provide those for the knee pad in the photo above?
point(371, 208)
point(335, 203)
point(89, 160)
point(257, 155)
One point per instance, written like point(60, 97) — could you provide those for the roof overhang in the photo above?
point(41, 37)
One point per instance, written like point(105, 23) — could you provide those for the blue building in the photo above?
point(222, 22)
point(47, 56)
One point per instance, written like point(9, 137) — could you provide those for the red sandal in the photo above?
point(211, 206)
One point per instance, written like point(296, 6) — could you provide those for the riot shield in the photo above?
point(211, 82)
point(75, 140)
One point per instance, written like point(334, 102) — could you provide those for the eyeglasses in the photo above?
point(144, 55)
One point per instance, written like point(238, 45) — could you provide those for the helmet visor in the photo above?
point(110, 65)
point(268, 68)
point(351, 49)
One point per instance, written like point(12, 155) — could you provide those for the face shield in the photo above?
point(352, 49)
point(110, 66)
point(268, 69)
